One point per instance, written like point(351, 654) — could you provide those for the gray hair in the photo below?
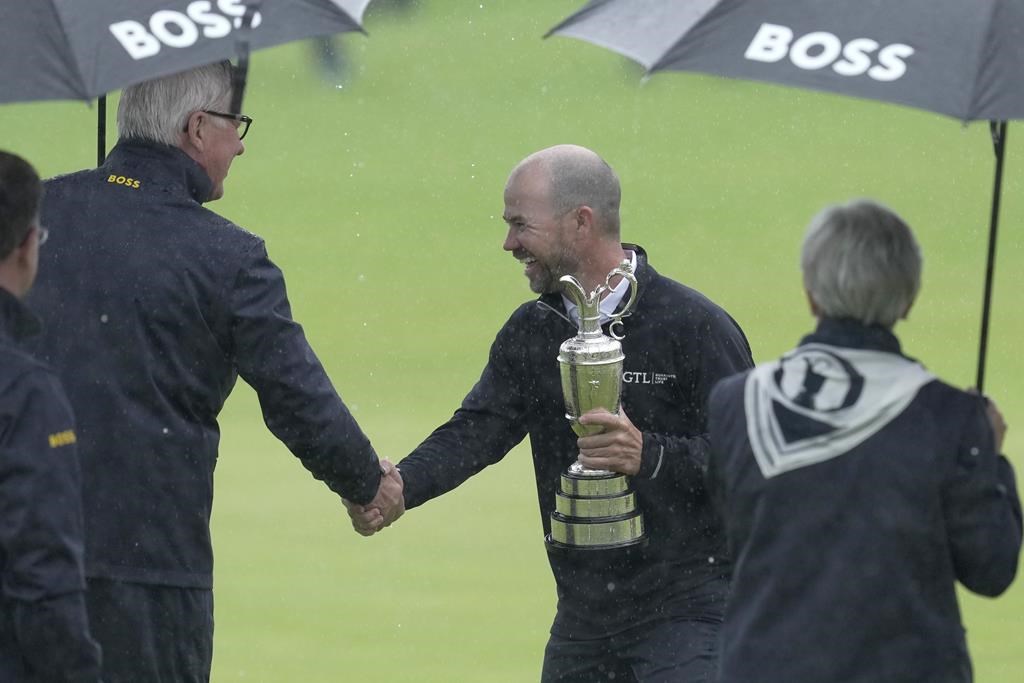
point(158, 110)
point(579, 177)
point(861, 261)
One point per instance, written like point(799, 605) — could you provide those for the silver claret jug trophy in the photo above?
point(594, 509)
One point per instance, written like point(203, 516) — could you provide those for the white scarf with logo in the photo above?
point(818, 402)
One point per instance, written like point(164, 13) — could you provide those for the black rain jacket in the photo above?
point(846, 570)
point(152, 307)
point(677, 345)
point(44, 632)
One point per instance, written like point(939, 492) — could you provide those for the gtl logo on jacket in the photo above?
point(813, 51)
point(647, 378)
point(173, 28)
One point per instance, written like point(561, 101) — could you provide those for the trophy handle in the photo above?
point(574, 290)
point(617, 317)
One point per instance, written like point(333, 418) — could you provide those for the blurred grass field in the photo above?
point(382, 202)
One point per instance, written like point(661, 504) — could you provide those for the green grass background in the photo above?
point(382, 202)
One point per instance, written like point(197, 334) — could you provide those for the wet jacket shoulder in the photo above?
point(44, 633)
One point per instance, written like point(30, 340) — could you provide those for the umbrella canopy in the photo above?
point(70, 49)
point(961, 58)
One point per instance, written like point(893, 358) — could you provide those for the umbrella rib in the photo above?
point(972, 104)
point(83, 91)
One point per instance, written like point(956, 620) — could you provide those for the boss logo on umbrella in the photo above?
point(773, 42)
point(181, 29)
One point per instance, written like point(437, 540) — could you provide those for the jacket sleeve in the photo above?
point(489, 423)
point(299, 403)
point(982, 511)
point(717, 349)
point(720, 416)
point(41, 533)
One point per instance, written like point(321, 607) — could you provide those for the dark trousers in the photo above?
point(668, 651)
point(152, 634)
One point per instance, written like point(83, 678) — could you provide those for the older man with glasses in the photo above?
point(153, 307)
point(242, 120)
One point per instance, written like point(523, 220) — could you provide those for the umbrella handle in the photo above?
point(998, 130)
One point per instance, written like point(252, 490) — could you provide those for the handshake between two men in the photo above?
point(387, 506)
point(617, 448)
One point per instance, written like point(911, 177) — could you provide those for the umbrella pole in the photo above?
point(239, 75)
point(241, 71)
point(101, 130)
point(998, 129)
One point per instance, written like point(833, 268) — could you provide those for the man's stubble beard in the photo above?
point(548, 281)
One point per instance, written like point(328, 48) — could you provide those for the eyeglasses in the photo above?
point(243, 121)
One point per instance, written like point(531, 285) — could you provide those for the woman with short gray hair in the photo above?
point(861, 261)
point(856, 488)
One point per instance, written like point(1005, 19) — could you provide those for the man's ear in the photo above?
point(26, 245)
point(17, 255)
point(585, 218)
point(21, 255)
point(22, 260)
point(196, 129)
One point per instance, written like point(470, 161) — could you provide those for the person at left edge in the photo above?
point(154, 306)
point(44, 633)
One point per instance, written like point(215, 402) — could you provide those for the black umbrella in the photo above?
point(961, 58)
point(76, 49)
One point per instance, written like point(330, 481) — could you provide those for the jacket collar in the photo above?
point(159, 164)
point(850, 333)
point(16, 321)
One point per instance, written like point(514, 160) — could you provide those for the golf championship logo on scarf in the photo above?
point(818, 402)
point(174, 28)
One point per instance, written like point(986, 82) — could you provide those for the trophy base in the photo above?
point(593, 483)
point(561, 548)
point(595, 510)
point(599, 533)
